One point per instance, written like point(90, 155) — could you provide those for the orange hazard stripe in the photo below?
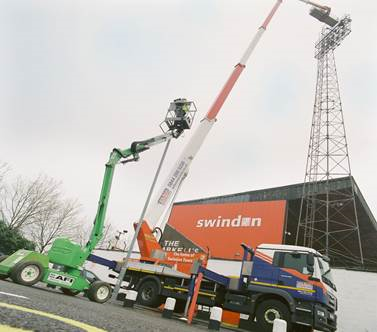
point(264, 257)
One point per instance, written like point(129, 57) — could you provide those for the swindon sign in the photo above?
point(240, 221)
point(221, 228)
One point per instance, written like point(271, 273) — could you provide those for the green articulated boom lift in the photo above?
point(62, 266)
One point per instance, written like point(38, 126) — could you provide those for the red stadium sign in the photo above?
point(223, 227)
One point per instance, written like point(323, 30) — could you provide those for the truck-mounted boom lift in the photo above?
point(161, 203)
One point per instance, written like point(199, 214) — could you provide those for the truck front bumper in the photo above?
point(324, 320)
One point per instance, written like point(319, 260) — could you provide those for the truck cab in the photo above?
point(290, 282)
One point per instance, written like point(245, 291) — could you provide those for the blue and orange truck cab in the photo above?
point(288, 282)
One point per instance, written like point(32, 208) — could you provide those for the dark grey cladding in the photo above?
point(293, 194)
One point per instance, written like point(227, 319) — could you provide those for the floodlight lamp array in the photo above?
point(332, 37)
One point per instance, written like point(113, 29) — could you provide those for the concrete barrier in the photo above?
point(279, 325)
point(215, 318)
point(130, 299)
point(169, 307)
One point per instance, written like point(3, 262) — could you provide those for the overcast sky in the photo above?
point(80, 77)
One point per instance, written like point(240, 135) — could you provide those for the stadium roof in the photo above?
point(293, 195)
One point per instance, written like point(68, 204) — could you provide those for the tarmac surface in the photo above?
point(43, 309)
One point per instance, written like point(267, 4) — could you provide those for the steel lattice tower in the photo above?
point(328, 217)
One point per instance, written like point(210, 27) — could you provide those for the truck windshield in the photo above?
point(326, 273)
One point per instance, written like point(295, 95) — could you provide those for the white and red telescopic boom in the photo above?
point(163, 200)
point(317, 5)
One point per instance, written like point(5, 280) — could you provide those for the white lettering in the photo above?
point(236, 222)
point(168, 243)
point(210, 223)
point(225, 223)
point(256, 222)
point(220, 222)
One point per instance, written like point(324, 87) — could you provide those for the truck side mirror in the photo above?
point(310, 260)
point(310, 263)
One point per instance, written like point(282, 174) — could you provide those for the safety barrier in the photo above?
point(130, 299)
point(279, 326)
point(215, 318)
point(169, 307)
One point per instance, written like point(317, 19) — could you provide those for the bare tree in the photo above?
point(84, 232)
point(37, 209)
point(58, 219)
point(25, 201)
point(108, 235)
point(4, 168)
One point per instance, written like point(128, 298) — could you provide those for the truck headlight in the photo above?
point(321, 313)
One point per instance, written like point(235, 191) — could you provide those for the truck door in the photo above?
point(294, 273)
point(264, 270)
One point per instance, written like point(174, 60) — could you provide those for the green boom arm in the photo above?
point(116, 156)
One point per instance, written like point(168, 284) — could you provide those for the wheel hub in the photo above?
point(147, 294)
point(102, 292)
point(271, 314)
point(30, 273)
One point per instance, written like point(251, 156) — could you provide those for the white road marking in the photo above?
point(14, 295)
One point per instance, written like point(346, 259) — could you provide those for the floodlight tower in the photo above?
point(328, 218)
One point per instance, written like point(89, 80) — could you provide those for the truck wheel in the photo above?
point(270, 310)
point(3, 276)
point(27, 273)
point(148, 294)
point(302, 328)
point(99, 291)
point(180, 306)
point(70, 292)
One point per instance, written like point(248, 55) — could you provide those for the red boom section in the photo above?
point(215, 108)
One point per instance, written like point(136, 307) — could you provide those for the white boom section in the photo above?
point(314, 4)
point(163, 200)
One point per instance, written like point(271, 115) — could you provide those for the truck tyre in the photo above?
point(268, 311)
point(27, 273)
point(99, 291)
point(70, 292)
point(148, 294)
point(302, 328)
point(3, 276)
point(180, 306)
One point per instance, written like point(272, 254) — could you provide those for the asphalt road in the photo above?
point(42, 309)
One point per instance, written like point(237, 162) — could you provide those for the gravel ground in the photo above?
point(109, 316)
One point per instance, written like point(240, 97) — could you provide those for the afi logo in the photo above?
point(62, 279)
